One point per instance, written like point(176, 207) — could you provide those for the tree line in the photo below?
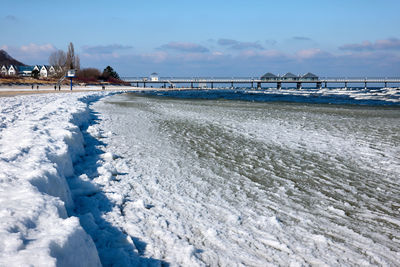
point(64, 61)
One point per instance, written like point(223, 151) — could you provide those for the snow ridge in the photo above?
point(40, 139)
point(96, 204)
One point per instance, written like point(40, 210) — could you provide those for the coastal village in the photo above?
point(14, 72)
point(42, 71)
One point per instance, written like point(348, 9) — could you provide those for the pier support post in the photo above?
point(191, 85)
point(212, 85)
point(232, 85)
point(298, 86)
point(258, 85)
point(251, 85)
point(385, 84)
point(365, 85)
point(319, 85)
point(345, 85)
point(279, 85)
point(326, 85)
point(137, 84)
point(165, 85)
point(144, 85)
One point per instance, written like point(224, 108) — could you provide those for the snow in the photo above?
point(198, 183)
point(91, 179)
point(40, 139)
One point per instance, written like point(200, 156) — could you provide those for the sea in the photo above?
point(244, 177)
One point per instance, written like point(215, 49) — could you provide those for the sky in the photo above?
point(335, 38)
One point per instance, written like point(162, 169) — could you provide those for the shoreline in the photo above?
point(16, 90)
point(10, 91)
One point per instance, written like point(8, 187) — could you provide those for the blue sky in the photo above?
point(213, 38)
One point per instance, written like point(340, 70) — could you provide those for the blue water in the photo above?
point(369, 97)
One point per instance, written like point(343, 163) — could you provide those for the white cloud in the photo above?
point(385, 44)
point(309, 53)
point(37, 49)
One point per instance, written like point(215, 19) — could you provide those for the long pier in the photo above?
point(204, 81)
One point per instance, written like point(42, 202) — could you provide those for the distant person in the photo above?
point(55, 87)
point(59, 87)
point(32, 86)
point(37, 87)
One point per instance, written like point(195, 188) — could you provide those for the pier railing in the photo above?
point(257, 79)
point(208, 82)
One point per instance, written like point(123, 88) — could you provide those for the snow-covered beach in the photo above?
point(39, 141)
point(95, 178)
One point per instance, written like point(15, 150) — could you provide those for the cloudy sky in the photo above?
point(210, 37)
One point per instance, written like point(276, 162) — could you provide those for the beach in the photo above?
point(134, 176)
point(13, 90)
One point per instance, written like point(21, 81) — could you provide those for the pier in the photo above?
point(208, 82)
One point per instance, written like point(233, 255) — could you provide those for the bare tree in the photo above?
point(58, 59)
point(53, 58)
point(73, 61)
point(61, 59)
point(71, 57)
point(77, 62)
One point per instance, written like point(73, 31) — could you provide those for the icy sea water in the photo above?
point(227, 182)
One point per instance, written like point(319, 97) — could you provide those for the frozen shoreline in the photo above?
point(26, 90)
point(40, 139)
point(47, 150)
point(67, 198)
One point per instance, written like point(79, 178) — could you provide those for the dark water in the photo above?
point(354, 96)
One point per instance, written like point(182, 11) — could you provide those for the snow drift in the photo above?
point(40, 139)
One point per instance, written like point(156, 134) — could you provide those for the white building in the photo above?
point(47, 71)
point(12, 70)
point(44, 72)
point(3, 70)
point(154, 77)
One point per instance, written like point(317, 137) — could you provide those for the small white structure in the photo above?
point(71, 74)
point(203, 85)
point(44, 72)
point(47, 71)
point(12, 70)
point(154, 77)
point(3, 70)
point(51, 70)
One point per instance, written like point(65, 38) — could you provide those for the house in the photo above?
point(47, 71)
point(4, 70)
point(154, 77)
point(12, 70)
point(269, 77)
point(52, 70)
point(309, 77)
point(44, 72)
point(290, 76)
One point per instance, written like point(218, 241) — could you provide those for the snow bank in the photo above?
point(40, 139)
